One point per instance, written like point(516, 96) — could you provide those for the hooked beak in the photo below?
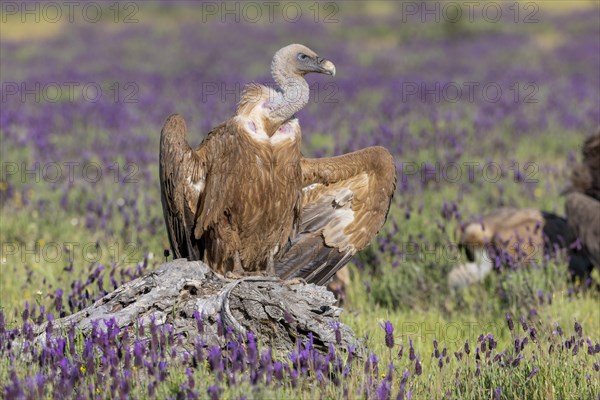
point(325, 66)
point(469, 251)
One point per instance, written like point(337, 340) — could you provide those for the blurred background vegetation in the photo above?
point(171, 49)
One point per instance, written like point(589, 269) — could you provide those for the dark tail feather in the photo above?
point(309, 258)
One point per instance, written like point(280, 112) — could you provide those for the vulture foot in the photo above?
point(249, 276)
point(294, 281)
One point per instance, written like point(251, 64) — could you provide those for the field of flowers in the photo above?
point(481, 106)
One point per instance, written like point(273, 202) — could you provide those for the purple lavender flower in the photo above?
point(540, 295)
point(199, 321)
point(215, 358)
point(335, 325)
point(458, 355)
point(374, 362)
point(524, 324)
point(524, 343)
point(25, 314)
point(578, 329)
point(516, 361)
point(384, 391)
point(532, 373)
point(558, 331)
point(401, 393)
point(590, 348)
point(389, 334)
point(418, 367)
point(214, 392)
point(351, 353)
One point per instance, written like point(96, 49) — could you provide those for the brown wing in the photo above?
point(583, 214)
point(346, 201)
point(183, 173)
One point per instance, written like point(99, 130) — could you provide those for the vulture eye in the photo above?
point(302, 56)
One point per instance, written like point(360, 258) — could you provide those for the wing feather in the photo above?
point(182, 176)
point(185, 181)
point(345, 203)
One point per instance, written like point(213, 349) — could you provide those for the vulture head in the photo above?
point(299, 60)
point(290, 65)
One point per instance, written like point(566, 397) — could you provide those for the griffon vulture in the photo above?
point(583, 199)
point(246, 200)
point(523, 235)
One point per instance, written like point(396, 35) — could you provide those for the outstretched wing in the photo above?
point(583, 214)
point(182, 181)
point(345, 202)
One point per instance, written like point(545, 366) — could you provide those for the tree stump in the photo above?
point(279, 313)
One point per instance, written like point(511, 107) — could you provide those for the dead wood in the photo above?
point(279, 313)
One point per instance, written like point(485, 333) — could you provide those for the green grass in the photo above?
point(412, 295)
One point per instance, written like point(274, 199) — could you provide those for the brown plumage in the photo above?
point(519, 232)
point(515, 232)
point(247, 200)
point(525, 235)
point(583, 199)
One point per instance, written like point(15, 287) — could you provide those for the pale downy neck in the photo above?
point(484, 262)
point(294, 91)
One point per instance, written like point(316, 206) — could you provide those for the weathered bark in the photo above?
point(277, 312)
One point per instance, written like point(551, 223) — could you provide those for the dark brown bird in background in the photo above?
point(247, 201)
point(583, 199)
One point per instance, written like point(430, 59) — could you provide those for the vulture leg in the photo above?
point(345, 202)
point(237, 264)
point(182, 177)
point(271, 265)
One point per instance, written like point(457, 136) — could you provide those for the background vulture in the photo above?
point(583, 199)
point(247, 201)
point(515, 235)
point(524, 234)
